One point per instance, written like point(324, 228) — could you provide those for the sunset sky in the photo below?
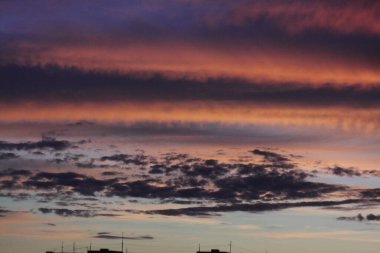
point(187, 122)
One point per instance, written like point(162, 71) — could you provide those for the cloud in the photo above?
point(345, 17)
point(4, 212)
point(360, 217)
point(79, 183)
point(270, 156)
point(373, 217)
point(55, 84)
point(273, 184)
point(15, 173)
point(371, 193)
point(46, 143)
point(6, 156)
point(126, 159)
point(82, 213)
point(185, 178)
point(315, 41)
point(207, 169)
point(106, 235)
point(258, 207)
point(340, 171)
point(156, 169)
point(248, 227)
point(142, 189)
point(110, 173)
point(67, 212)
point(211, 185)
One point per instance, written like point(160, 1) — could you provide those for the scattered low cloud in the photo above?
point(341, 171)
point(46, 143)
point(4, 212)
point(106, 235)
point(6, 156)
point(205, 187)
point(257, 207)
point(360, 217)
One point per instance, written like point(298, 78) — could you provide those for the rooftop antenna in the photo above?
point(122, 242)
point(73, 247)
point(230, 246)
point(62, 247)
point(90, 246)
point(199, 247)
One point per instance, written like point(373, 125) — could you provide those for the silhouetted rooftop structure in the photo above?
point(212, 251)
point(103, 251)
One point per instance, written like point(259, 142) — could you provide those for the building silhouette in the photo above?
point(93, 251)
point(212, 251)
point(103, 251)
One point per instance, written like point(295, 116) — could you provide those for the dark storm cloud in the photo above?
point(107, 235)
point(55, 84)
point(46, 143)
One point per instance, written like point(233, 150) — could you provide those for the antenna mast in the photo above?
point(230, 246)
point(122, 242)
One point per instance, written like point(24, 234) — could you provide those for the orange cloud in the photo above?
point(297, 16)
point(202, 60)
point(345, 119)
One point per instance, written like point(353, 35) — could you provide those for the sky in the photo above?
point(185, 123)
